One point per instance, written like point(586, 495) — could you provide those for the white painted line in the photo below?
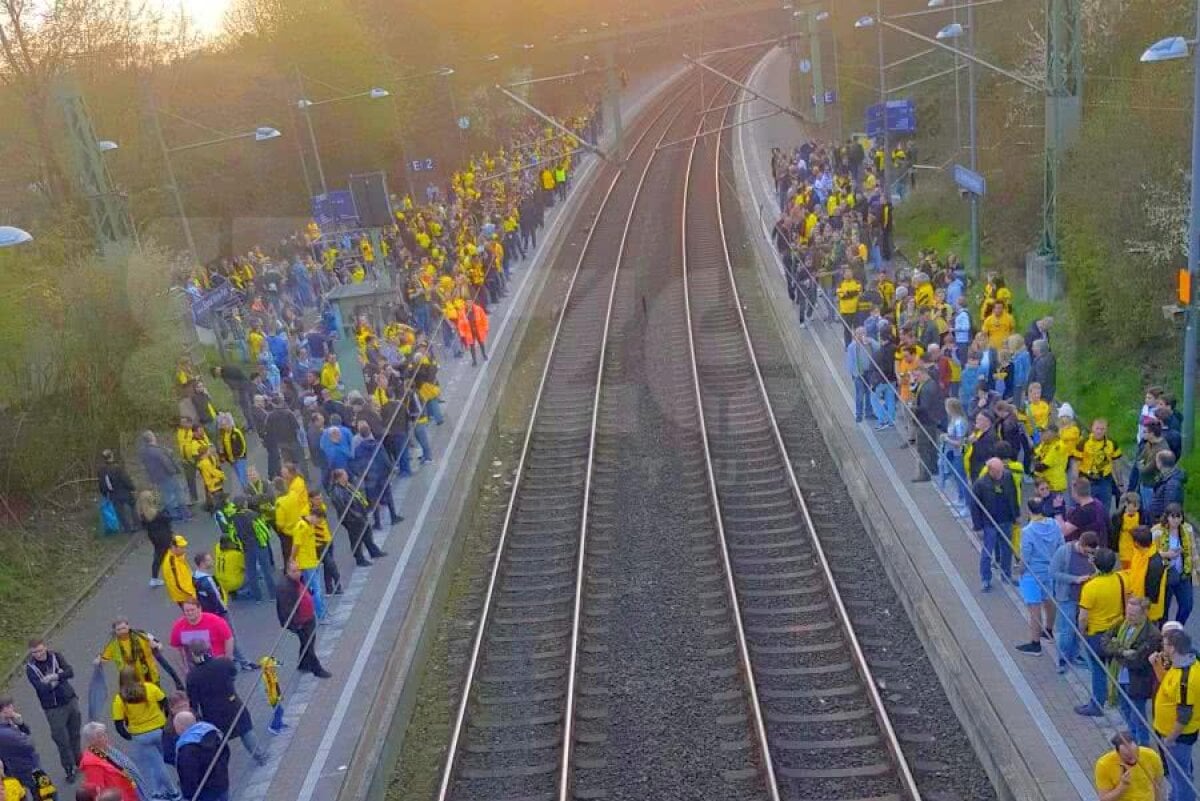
point(1024, 691)
point(350, 688)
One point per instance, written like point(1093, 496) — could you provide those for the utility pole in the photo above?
point(614, 100)
point(312, 133)
point(173, 186)
point(814, 55)
point(1192, 333)
point(108, 209)
point(886, 183)
point(976, 260)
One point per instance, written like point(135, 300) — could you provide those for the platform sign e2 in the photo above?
point(422, 165)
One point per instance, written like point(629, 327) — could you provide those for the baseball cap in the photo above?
point(178, 541)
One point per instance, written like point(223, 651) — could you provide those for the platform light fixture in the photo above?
point(11, 236)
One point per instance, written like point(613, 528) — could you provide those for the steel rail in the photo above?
point(459, 723)
point(564, 784)
point(904, 771)
point(760, 726)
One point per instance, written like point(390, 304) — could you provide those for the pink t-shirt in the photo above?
point(210, 629)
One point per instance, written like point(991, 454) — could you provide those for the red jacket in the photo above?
point(100, 774)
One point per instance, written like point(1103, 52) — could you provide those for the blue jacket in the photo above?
point(159, 463)
point(376, 470)
point(337, 454)
point(967, 382)
point(1039, 540)
point(278, 345)
point(1022, 363)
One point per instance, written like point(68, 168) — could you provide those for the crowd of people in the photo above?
point(332, 458)
point(1095, 541)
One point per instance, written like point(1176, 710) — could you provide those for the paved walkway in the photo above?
point(309, 759)
point(1034, 702)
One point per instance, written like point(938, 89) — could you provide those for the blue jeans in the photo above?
point(1098, 669)
point(1133, 712)
point(422, 435)
point(1183, 593)
point(1064, 630)
point(172, 498)
point(1179, 771)
point(952, 465)
point(861, 393)
point(239, 469)
point(995, 542)
point(883, 402)
point(258, 562)
point(146, 751)
point(315, 581)
point(1102, 490)
point(434, 408)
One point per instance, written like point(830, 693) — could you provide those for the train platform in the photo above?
point(331, 724)
point(1017, 710)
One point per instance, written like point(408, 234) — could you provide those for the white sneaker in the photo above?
point(156, 582)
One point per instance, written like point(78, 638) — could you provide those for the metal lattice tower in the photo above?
point(1064, 93)
point(107, 208)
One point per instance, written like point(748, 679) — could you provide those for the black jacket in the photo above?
point(350, 507)
point(210, 686)
point(931, 407)
point(997, 498)
point(1141, 674)
point(51, 696)
point(197, 748)
point(115, 482)
point(1045, 372)
point(281, 427)
point(1168, 489)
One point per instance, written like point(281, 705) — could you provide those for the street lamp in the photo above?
point(305, 105)
point(11, 236)
point(951, 31)
point(107, 145)
point(261, 133)
point(1171, 49)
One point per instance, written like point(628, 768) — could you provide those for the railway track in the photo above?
point(660, 617)
point(513, 730)
point(830, 734)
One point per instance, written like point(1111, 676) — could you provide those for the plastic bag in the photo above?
point(109, 522)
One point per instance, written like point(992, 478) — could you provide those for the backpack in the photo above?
point(230, 570)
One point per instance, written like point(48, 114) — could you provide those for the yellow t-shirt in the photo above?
point(1125, 539)
point(1054, 456)
point(1096, 457)
point(1039, 413)
point(143, 716)
point(998, 329)
point(1167, 699)
point(1143, 775)
point(1102, 598)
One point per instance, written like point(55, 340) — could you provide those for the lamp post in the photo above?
point(11, 236)
point(954, 31)
point(1176, 47)
point(260, 134)
point(306, 106)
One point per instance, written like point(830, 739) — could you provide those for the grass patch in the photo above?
point(1097, 381)
point(46, 564)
